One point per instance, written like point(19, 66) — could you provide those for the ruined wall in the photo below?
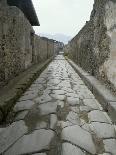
point(20, 48)
point(94, 47)
point(43, 49)
point(15, 43)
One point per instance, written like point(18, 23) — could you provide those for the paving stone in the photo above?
point(11, 134)
point(28, 97)
point(97, 116)
point(60, 103)
point(103, 130)
point(58, 92)
point(37, 141)
point(21, 115)
point(86, 94)
point(63, 124)
point(41, 125)
point(40, 154)
point(53, 121)
point(58, 97)
point(1, 129)
point(86, 127)
point(48, 108)
point(72, 101)
point(105, 154)
point(23, 105)
point(93, 103)
point(74, 134)
point(43, 99)
point(75, 109)
point(69, 149)
point(73, 95)
point(110, 146)
point(85, 108)
point(73, 118)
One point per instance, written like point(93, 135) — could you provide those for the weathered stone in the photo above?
point(72, 101)
point(74, 134)
point(85, 108)
point(39, 154)
point(73, 118)
point(110, 146)
point(10, 134)
point(97, 116)
point(43, 99)
point(47, 108)
point(21, 115)
point(58, 97)
point(103, 130)
point(58, 92)
point(75, 109)
point(41, 125)
point(63, 124)
point(53, 121)
point(93, 103)
point(36, 141)
point(69, 149)
point(23, 105)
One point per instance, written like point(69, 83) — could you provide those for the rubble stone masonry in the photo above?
point(20, 48)
point(94, 47)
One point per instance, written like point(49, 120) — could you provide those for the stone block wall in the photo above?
point(94, 47)
point(43, 49)
point(20, 48)
point(15, 43)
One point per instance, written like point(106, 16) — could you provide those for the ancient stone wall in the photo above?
point(20, 48)
point(94, 47)
point(15, 42)
point(43, 49)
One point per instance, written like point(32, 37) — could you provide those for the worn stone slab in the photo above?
point(28, 97)
point(53, 121)
point(23, 105)
point(86, 127)
point(11, 134)
point(58, 92)
point(73, 118)
point(75, 109)
point(85, 109)
point(63, 124)
point(97, 116)
point(21, 115)
point(93, 103)
point(39, 154)
point(43, 99)
point(58, 97)
point(72, 101)
point(36, 141)
point(69, 149)
point(110, 146)
point(41, 125)
point(112, 111)
point(48, 108)
point(103, 130)
point(74, 134)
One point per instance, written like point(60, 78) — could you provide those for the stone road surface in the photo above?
point(58, 115)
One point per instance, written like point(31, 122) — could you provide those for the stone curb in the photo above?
point(102, 94)
point(10, 93)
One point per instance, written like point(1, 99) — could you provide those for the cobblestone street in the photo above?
point(58, 115)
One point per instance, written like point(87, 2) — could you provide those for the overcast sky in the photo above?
point(62, 16)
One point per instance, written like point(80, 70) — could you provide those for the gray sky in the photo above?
point(62, 16)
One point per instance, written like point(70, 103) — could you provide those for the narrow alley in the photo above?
point(58, 115)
